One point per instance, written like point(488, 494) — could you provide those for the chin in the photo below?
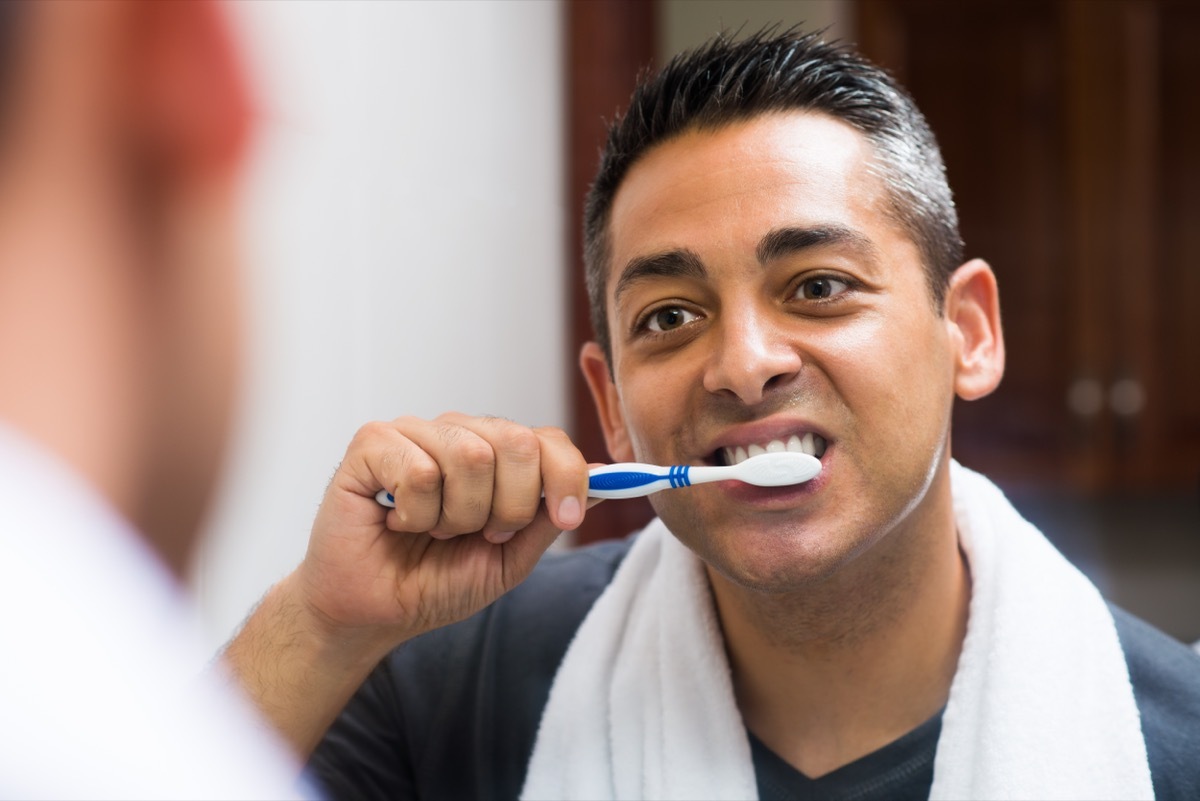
point(780, 573)
point(778, 559)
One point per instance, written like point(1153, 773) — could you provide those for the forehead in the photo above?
point(721, 190)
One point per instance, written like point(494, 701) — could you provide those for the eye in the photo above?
point(668, 318)
point(821, 287)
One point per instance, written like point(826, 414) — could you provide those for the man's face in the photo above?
point(758, 294)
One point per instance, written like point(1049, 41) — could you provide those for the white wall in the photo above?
point(404, 245)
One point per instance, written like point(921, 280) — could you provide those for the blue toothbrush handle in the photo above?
point(622, 480)
point(633, 480)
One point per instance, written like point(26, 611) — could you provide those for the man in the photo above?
point(774, 263)
point(120, 139)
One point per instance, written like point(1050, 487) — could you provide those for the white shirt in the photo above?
point(105, 691)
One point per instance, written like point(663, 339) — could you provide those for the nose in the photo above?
point(752, 356)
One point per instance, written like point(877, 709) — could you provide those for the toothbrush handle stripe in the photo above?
point(679, 476)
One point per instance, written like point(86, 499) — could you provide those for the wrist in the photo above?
point(298, 666)
point(332, 643)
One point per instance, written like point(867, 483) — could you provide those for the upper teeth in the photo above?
point(810, 443)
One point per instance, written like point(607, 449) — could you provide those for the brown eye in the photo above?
point(669, 318)
point(822, 288)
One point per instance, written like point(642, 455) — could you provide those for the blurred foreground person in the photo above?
point(121, 130)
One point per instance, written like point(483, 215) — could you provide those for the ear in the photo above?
point(608, 403)
point(973, 320)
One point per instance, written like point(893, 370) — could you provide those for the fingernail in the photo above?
point(500, 537)
point(570, 513)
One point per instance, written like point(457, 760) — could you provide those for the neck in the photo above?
point(826, 675)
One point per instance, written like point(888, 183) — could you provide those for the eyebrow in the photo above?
point(791, 240)
point(684, 263)
point(680, 263)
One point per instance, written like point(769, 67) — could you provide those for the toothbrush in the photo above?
point(633, 479)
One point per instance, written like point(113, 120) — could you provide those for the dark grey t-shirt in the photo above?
point(454, 714)
point(900, 771)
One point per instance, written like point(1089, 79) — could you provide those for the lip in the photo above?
point(768, 498)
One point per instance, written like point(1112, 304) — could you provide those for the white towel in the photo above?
point(1041, 705)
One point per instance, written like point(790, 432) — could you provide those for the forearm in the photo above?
point(299, 672)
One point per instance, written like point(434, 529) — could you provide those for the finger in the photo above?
point(468, 466)
point(417, 481)
point(564, 478)
point(381, 456)
point(517, 488)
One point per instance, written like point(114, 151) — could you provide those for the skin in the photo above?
point(805, 579)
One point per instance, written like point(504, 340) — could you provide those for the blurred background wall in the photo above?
point(404, 229)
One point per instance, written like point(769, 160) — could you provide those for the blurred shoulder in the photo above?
point(1165, 675)
point(579, 573)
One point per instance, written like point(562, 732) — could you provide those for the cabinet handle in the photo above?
point(1126, 397)
point(1085, 397)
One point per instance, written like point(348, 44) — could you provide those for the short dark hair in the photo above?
point(729, 80)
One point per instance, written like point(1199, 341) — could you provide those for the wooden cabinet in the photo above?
point(1071, 133)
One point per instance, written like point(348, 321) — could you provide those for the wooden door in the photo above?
point(608, 43)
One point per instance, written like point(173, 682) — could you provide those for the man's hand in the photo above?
point(470, 523)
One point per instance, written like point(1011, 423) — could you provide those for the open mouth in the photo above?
point(810, 443)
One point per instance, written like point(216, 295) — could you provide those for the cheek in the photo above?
point(656, 416)
point(895, 375)
point(645, 422)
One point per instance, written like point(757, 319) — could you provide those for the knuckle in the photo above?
point(520, 443)
point(370, 432)
point(552, 433)
point(450, 434)
point(423, 478)
point(476, 455)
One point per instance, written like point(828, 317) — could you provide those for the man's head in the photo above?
point(121, 130)
point(729, 81)
point(763, 285)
